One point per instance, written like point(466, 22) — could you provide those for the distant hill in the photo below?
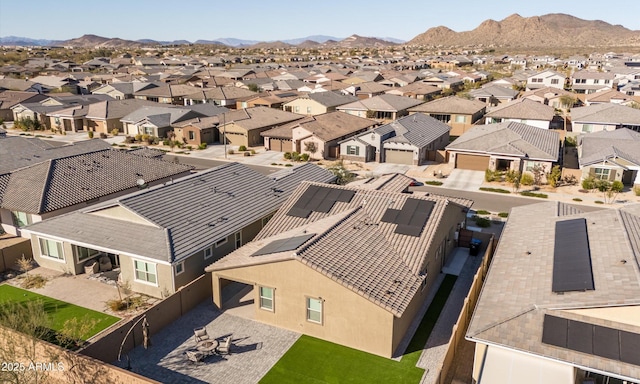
point(309, 44)
point(315, 38)
point(552, 30)
point(233, 42)
point(356, 41)
point(271, 45)
point(23, 41)
point(99, 41)
point(208, 42)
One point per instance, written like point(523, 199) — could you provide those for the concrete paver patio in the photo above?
point(256, 348)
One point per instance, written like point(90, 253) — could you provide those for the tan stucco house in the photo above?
point(345, 264)
point(318, 103)
point(243, 127)
point(161, 238)
point(610, 155)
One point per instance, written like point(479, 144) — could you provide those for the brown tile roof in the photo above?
point(523, 109)
point(517, 290)
point(392, 182)
point(352, 245)
point(451, 104)
point(260, 117)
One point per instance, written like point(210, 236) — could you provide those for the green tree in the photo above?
point(253, 87)
point(343, 176)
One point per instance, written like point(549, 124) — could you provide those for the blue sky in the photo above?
point(280, 19)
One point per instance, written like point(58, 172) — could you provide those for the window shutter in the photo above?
point(612, 175)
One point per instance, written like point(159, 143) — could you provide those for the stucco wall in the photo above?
point(348, 318)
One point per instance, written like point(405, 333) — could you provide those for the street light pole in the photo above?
point(224, 133)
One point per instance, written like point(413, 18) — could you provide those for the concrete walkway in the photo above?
point(256, 348)
point(433, 355)
point(464, 179)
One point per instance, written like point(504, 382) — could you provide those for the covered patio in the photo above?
point(256, 347)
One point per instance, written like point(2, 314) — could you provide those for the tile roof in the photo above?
point(510, 138)
point(607, 97)
point(418, 129)
point(517, 290)
point(523, 109)
point(331, 99)
point(186, 215)
point(115, 109)
point(327, 126)
point(606, 114)
point(220, 93)
point(10, 98)
point(610, 145)
point(63, 182)
point(386, 102)
point(451, 104)
point(161, 116)
point(260, 117)
point(18, 152)
point(392, 182)
point(378, 264)
point(496, 91)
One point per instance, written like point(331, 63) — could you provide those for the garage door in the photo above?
point(473, 162)
point(281, 145)
point(398, 156)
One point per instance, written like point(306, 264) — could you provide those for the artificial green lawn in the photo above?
point(312, 360)
point(59, 311)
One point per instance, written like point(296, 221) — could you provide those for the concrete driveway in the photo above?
point(464, 179)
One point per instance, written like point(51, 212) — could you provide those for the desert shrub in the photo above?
point(166, 142)
point(247, 154)
point(295, 156)
point(253, 152)
point(533, 194)
point(115, 132)
point(489, 175)
point(482, 222)
point(577, 199)
point(90, 133)
point(129, 139)
point(33, 281)
point(202, 146)
point(497, 190)
point(599, 202)
point(304, 157)
point(288, 165)
point(231, 152)
point(503, 214)
point(103, 135)
point(589, 183)
point(287, 155)
point(526, 179)
point(554, 176)
point(636, 190)
point(242, 148)
point(189, 147)
point(570, 141)
point(144, 137)
point(433, 182)
point(483, 212)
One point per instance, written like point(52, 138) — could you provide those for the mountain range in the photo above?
point(515, 31)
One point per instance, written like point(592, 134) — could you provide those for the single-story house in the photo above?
point(417, 90)
point(105, 116)
point(460, 114)
point(411, 140)
point(64, 184)
point(318, 136)
point(123, 90)
point(610, 96)
point(551, 96)
point(505, 146)
point(156, 120)
point(494, 94)
point(318, 103)
point(243, 127)
point(610, 155)
point(523, 111)
point(225, 96)
point(176, 94)
point(10, 98)
point(382, 107)
point(335, 255)
point(560, 301)
point(162, 237)
point(604, 117)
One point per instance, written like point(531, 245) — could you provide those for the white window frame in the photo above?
point(272, 299)
point(555, 81)
point(461, 119)
point(601, 173)
point(353, 150)
point(309, 309)
point(77, 248)
point(208, 252)
point(59, 248)
point(180, 266)
point(221, 242)
point(192, 135)
point(238, 239)
point(308, 109)
point(147, 263)
point(587, 128)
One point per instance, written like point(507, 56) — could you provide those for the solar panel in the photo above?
point(580, 336)
point(319, 199)
point(572, 257)
point(412, 218)
point(389, 215)
point(593, 339)
point(554, 331)
point(630, 347)
point(283, 245)
point(606, 342)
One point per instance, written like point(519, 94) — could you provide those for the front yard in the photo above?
point(312, 360)
point(60, 314)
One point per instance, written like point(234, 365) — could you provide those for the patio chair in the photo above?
point(194, 356)
point(225, 347)
point(200, 334)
